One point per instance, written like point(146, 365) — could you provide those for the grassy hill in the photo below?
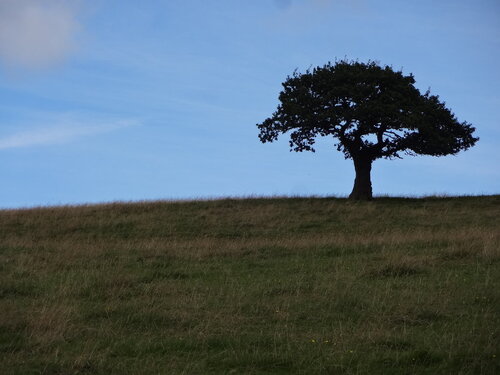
point(252, 286)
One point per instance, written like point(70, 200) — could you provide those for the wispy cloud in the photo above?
point(63, 131)
point(308, 11)
point(301, 15)
point(36, 33)
point(286, 4)
point(283, 4)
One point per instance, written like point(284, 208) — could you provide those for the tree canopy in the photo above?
point(371, 111)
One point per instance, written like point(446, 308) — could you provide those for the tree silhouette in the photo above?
point(372, 111)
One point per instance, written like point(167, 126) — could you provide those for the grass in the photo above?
point(252, 286)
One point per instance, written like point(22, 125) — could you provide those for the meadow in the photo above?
point(252, 286)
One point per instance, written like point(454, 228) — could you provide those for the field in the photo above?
point(252, 286)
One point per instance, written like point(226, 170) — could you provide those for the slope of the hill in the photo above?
point(252, 286)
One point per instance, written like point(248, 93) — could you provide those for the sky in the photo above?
point(122, 100)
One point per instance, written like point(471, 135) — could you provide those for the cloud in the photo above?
point(322, 3)
point(299, 16)
point(36, 33)
point(66, 131)
point(283, 4)
point(286, 4)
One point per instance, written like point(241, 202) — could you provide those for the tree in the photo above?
point(372, 111)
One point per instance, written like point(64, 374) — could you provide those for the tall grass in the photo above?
point(252, 286)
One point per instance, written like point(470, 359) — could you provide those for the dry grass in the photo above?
point(252, 286)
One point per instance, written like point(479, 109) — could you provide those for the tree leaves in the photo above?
point(373, 111)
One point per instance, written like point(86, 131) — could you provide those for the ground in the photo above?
point(252, 286)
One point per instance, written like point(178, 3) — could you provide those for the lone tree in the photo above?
point(372, 111)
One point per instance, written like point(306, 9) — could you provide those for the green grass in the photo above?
point(252, 286)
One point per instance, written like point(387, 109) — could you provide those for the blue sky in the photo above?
point(106, 100)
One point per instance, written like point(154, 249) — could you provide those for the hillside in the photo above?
point(252, 286)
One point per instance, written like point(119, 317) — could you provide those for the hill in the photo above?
point(252, 286)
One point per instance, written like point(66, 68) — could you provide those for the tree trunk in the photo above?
point(362, 189)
